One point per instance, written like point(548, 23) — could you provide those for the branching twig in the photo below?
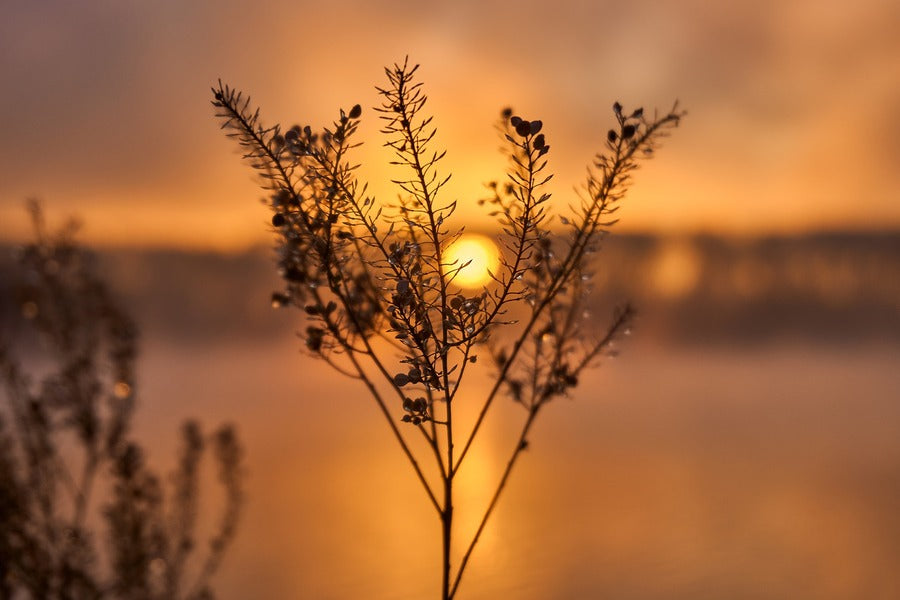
point(360, 269)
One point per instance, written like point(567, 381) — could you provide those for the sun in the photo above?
point(483, 254)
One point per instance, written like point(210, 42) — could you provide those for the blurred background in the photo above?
point(744, 443)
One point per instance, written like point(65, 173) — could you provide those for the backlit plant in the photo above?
point(82, 515)
point(381, 303)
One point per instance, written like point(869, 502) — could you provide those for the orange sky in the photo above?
point(793, 120)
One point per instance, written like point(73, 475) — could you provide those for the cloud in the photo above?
point(105, 104)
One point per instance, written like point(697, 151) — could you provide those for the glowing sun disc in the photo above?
point(483, 254)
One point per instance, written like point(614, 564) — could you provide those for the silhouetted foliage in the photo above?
point(68, 462)
point(380, 296)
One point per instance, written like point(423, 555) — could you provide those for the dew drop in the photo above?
point(121, 390)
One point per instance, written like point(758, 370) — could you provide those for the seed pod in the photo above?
point(617, 108)
point(314, 338)
point(514, 121)
point(612, 136)
point(294, 274)
point(278, 220)
point(355, 112)
point(523, 128)
point(536, 127)
point(627, 131)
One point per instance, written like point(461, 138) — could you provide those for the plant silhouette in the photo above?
point(380, 297)
point(65, 440)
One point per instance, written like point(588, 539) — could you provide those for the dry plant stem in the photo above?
point(393, 425)
point(425, 196)
point(370, 352)
point(574, 258)
point(376, 395)
point(621, 321)
point(285, 180)
point(447, 510)
point(76, 419)
point(520, 447)
point(319, 205)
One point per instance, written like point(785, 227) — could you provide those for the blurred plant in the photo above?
point(380, 296)
point(65, 440)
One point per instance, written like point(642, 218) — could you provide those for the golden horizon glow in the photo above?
point(139, 173)
point(676, 269)
point(475, 255)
